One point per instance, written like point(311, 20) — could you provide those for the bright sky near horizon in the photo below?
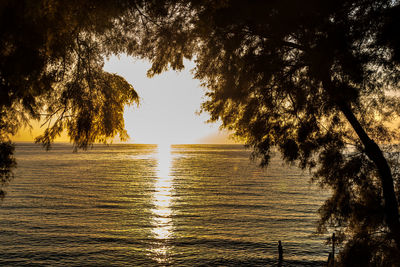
point(167, 110)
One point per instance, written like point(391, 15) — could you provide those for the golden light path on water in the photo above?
point(162, 198)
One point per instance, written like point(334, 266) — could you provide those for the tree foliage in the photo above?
point(51, 60)
point(315, 79)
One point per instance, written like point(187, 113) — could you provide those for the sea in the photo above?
point(149, 205)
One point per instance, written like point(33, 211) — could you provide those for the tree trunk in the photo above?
point(375, 154)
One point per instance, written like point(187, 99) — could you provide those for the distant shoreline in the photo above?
point(118, 144)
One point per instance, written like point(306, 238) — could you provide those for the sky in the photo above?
point(167, 113)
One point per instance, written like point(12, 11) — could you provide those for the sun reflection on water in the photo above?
point(162, 198)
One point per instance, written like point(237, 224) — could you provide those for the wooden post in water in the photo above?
point(333, 249)
point(331, 257)
point(329, 263)
point(280, 251)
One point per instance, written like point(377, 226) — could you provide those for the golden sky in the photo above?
point(167, 110)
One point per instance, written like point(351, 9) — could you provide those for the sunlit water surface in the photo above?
point(143, 205)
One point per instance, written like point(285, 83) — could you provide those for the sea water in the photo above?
point(149, 205)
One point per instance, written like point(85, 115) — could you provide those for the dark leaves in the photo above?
point(7, 164)
point(266, 66)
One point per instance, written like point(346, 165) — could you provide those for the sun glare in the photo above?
point(162, 198)
point(168, 104)
point(164, 158)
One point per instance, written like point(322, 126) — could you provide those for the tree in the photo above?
point(315, 79)
point(51, 60)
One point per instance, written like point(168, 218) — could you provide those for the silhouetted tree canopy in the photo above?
point(51, 60)
point(317, 80)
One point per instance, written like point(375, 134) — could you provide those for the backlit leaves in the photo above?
point(266, 65)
